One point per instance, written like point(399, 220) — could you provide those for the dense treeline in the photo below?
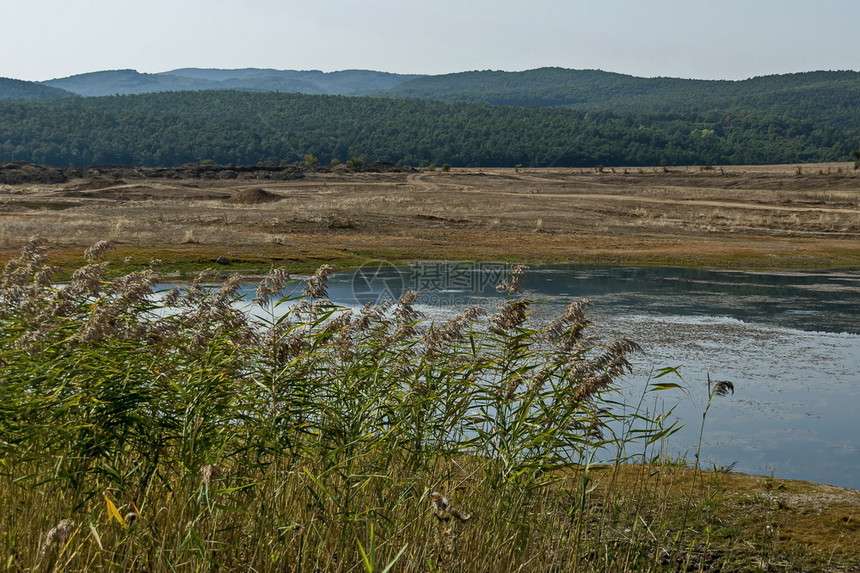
point(829, 97)
point(235, 127)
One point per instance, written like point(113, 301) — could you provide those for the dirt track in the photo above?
point(735, 217)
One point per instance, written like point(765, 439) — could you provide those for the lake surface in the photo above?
point(789, 342)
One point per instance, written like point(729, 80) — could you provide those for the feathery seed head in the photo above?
point(171, 299)
point(513, 284)
point(566, 330)
point(58, 535)
point(316, 287)
point(137, 286)
point(97, 251)
point(509, 390)
point(512, 314)
point(442, 509)
point(438, 502)
point(589, 387)
point(405, 311)
point(538, 379)
point(208, 472)
point(271, 285)
point(451, 331)
point(87, 280)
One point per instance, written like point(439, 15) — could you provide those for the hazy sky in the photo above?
point(728, 39)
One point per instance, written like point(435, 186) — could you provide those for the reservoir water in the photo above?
point(789, 343)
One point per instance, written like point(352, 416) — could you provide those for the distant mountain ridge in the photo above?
point(126, 82)
point(597, 90)
point(832, 97)
point(20, 89)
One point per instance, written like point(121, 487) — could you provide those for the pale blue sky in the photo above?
point(732, 39)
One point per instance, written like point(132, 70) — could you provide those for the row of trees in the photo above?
point(234, 127)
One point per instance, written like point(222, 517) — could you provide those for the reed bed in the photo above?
point(179, 431)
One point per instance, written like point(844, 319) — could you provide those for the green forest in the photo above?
point(832, 98)
point(167, 129)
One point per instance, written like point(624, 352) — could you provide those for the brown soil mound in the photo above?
point(253, 197)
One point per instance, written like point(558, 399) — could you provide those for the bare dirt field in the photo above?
point(787, 217)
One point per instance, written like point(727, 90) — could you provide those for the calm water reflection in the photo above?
point(790, 343)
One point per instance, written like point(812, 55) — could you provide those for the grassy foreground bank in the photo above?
point(180, 432)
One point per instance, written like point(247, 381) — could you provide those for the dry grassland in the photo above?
point(761, 217)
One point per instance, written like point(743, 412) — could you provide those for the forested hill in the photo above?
point(19, 89)
point(168, 129)
point(824, 98)
point(125, 82)
point(832, 97)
